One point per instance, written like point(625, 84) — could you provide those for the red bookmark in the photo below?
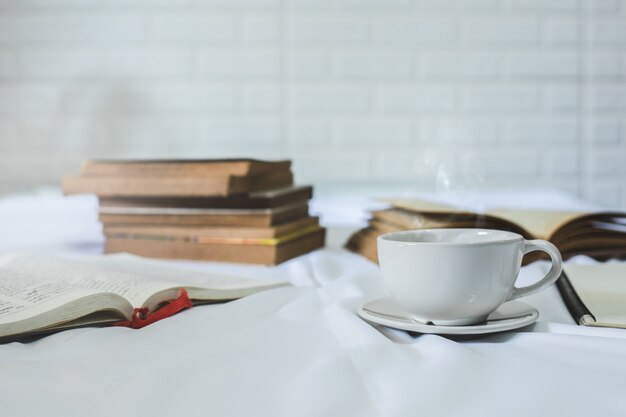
point(142, 317)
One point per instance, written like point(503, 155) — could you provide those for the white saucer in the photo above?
point(509, 316)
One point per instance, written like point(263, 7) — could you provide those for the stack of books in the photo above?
point(240, 210)
point(601, 235)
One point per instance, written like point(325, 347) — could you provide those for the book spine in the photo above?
point(579, 312)
point(142, 317)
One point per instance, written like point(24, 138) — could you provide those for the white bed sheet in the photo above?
point(298, 351)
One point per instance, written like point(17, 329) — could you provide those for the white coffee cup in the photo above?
point(458, 276)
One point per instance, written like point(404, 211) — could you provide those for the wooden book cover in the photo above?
point(364, 243)
point(264, 254)
point(173, 186)
point(204, 217)
point(258, 199)
point(183, 167)
point(204, 233)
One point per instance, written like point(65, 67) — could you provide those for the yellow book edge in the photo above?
point(224, 240)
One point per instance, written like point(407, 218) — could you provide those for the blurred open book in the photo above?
point(601, 235)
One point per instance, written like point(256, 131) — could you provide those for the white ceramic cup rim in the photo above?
point(502, 236)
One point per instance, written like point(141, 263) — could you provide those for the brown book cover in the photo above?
point(265, 254)
point(364, 243)
point(170, 186)
point(258, 199)
point(183, 167)
point(204, 217)
point(199, 233)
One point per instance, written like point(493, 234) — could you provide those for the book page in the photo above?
point(540, 223)
point(602, 289)
point(201, 286)
point(132, 277)
point(164, 271)
point(23, 295)
point(135, 288)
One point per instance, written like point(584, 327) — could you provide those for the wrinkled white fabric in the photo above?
point(300, 351)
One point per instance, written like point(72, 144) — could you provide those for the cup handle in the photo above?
point(555, 271)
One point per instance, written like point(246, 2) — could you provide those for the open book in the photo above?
point(177, 178)
point(595, 295)
point(600, 235)
point(40, 294)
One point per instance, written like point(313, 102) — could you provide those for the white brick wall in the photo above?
point(434, 94)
